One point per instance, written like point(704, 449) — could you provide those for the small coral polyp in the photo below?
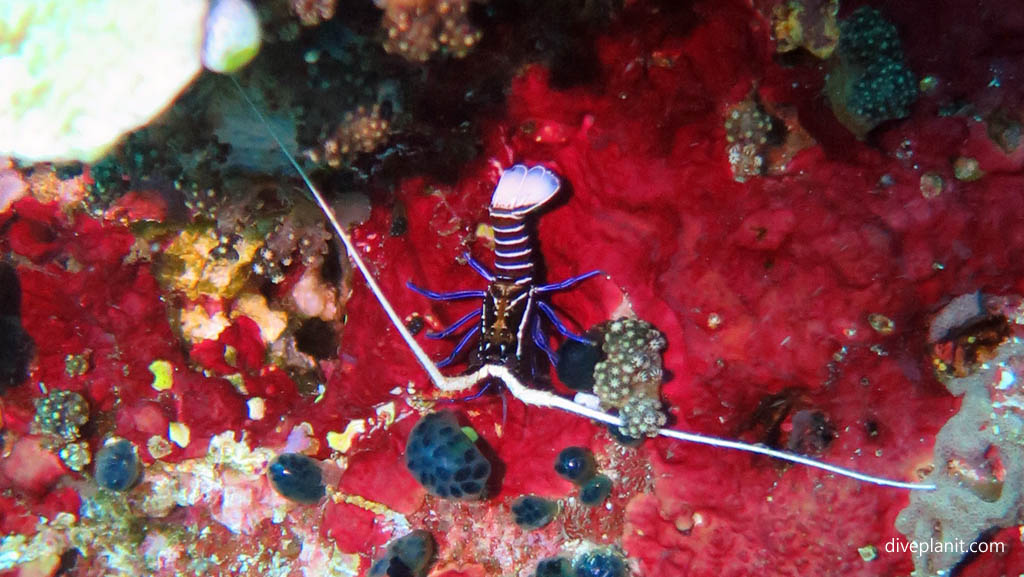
point(62, 413)
point(807, 24)
point(629, 378)
point(313, 12)
point(416, 29)
point(361, 131)
point(747, 131)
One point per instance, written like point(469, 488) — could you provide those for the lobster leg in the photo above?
point(452, 296)
point(458, 349)
point(458, 324)
point(542, 342)
point(547, 288)
point(546, 309)
point(479, 268)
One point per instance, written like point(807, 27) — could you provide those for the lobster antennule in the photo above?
point(522, 190)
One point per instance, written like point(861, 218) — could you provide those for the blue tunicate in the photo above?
point(595, 491)
point(533, 512)
point(444, 459)
point(576, 464)
point(117, 465)
point(297, 477)
point(408, 556)
point(553, 567)
point(600, 564)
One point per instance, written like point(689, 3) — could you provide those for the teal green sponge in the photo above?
point(887, 90)
point(867, 35)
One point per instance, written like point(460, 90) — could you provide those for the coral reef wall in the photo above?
point(184, 295)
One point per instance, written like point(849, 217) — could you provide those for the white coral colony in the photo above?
point(78, 74)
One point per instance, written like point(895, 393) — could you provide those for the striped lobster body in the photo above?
point(508, 307)
point(504, 324)
point(509, 328)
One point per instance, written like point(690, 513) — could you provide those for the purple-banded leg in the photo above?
point(458, 324)
point(504, 407)
point(546, 309)
point(479, 268)
point(452, 296)
point(474, 396)
point(458, 349)
point(557, 286)
point(540, 339)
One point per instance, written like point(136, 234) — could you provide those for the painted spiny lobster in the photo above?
point(514, 202)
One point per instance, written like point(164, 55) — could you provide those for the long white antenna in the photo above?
point(549, 399)
point(520, 391)
point(350, 247)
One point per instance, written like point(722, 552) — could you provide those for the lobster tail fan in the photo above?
point(522, 190)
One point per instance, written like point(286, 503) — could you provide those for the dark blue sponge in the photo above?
point(533, 512)
point(576, 362)
point(600, 564)
point(553, 567)
point(595, 491)
point(576, 464)
point(866, 35)
point(297, 478)
point(117, 465)
point(444, 460)
point(886, 90)
point(408, 556)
